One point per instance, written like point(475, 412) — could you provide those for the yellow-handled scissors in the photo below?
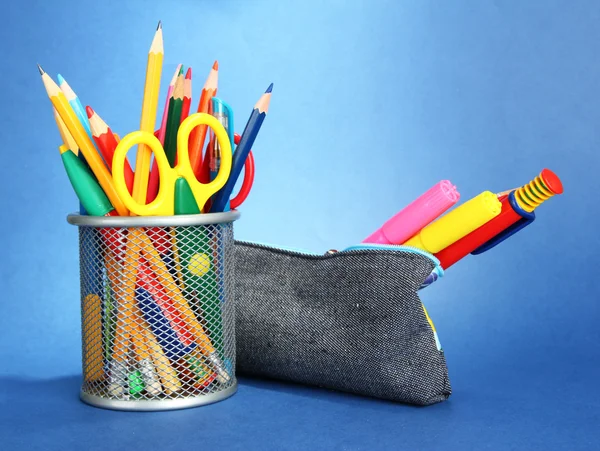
point(164, 204)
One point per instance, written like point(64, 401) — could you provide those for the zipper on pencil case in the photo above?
point(435, 274)
point(357, 247)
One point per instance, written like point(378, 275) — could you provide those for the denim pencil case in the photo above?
point(349, 321)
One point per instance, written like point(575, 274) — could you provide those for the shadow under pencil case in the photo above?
point(349, 321)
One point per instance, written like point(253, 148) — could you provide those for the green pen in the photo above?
point(96, 203)
point(84, 183)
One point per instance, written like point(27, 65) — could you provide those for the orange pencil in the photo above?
point(187, 94)
point(199, 134)
point(107, 143)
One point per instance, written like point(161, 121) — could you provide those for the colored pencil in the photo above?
point(107, 143)
point(65, 135)
point(78, 108)
point(173, 121)
point(75, 103)
point(153, 180)
point(163, 124)
point(243, 148)
point(83, 141)
point(187, 94)
point(199, 134)
point(148, 119)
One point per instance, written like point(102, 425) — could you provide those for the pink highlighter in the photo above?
point(423, 210)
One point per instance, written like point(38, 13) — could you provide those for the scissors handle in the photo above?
point(163, 204)
point(118, 170)
point(202, 191)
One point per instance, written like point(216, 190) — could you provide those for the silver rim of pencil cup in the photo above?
point(153, 221)
point(158, 404)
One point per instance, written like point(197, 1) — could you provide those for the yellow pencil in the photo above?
point(149, 105)
point(65, 134)
point(66, 113)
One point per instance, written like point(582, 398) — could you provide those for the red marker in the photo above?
point(517, 212)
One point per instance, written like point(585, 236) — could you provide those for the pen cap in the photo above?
point(457, 223)
point(86, 187)
point(417, 215)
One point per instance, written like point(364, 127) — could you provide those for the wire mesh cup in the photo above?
point(157, 310)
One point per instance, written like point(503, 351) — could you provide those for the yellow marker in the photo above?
point(92, 340)
point(149, 105)
point(457, 223)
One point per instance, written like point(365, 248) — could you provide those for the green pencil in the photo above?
point(174, 119)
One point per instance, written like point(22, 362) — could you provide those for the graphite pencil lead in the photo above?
point(41, 70)
point(159, 26)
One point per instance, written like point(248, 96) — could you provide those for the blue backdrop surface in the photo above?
point(373, 103)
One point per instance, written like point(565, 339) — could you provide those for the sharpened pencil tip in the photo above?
point(216, 65)
point(188, 74)
point(89, 111)
point(269, 89)
point(41, 70)
point(159, 26)
point(60, 79)
point(180, 70)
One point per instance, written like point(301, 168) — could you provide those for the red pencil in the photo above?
point(187, 94)
point(107, 143)
point(199, 134)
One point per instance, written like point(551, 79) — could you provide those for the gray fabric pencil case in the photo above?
point(349, 321)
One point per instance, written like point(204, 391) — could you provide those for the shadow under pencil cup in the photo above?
point(157, 309)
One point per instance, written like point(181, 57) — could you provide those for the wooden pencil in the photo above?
point(187, 95)
point(261, 108)
point(153, 180)
point(199, 134)
point(65, 134)
point(173, 121)
point(163, 124)
point(65, 111)
point(107, 143)
point(148, 119)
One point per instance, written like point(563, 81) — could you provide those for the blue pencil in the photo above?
point(241, 152)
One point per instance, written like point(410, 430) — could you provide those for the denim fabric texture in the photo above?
point(348, 321)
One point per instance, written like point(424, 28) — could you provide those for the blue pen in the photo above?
point(224, 114)
point(241, 152)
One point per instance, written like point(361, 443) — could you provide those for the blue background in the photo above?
point(373, 103)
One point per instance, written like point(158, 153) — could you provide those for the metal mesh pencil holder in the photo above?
point(157, 310)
